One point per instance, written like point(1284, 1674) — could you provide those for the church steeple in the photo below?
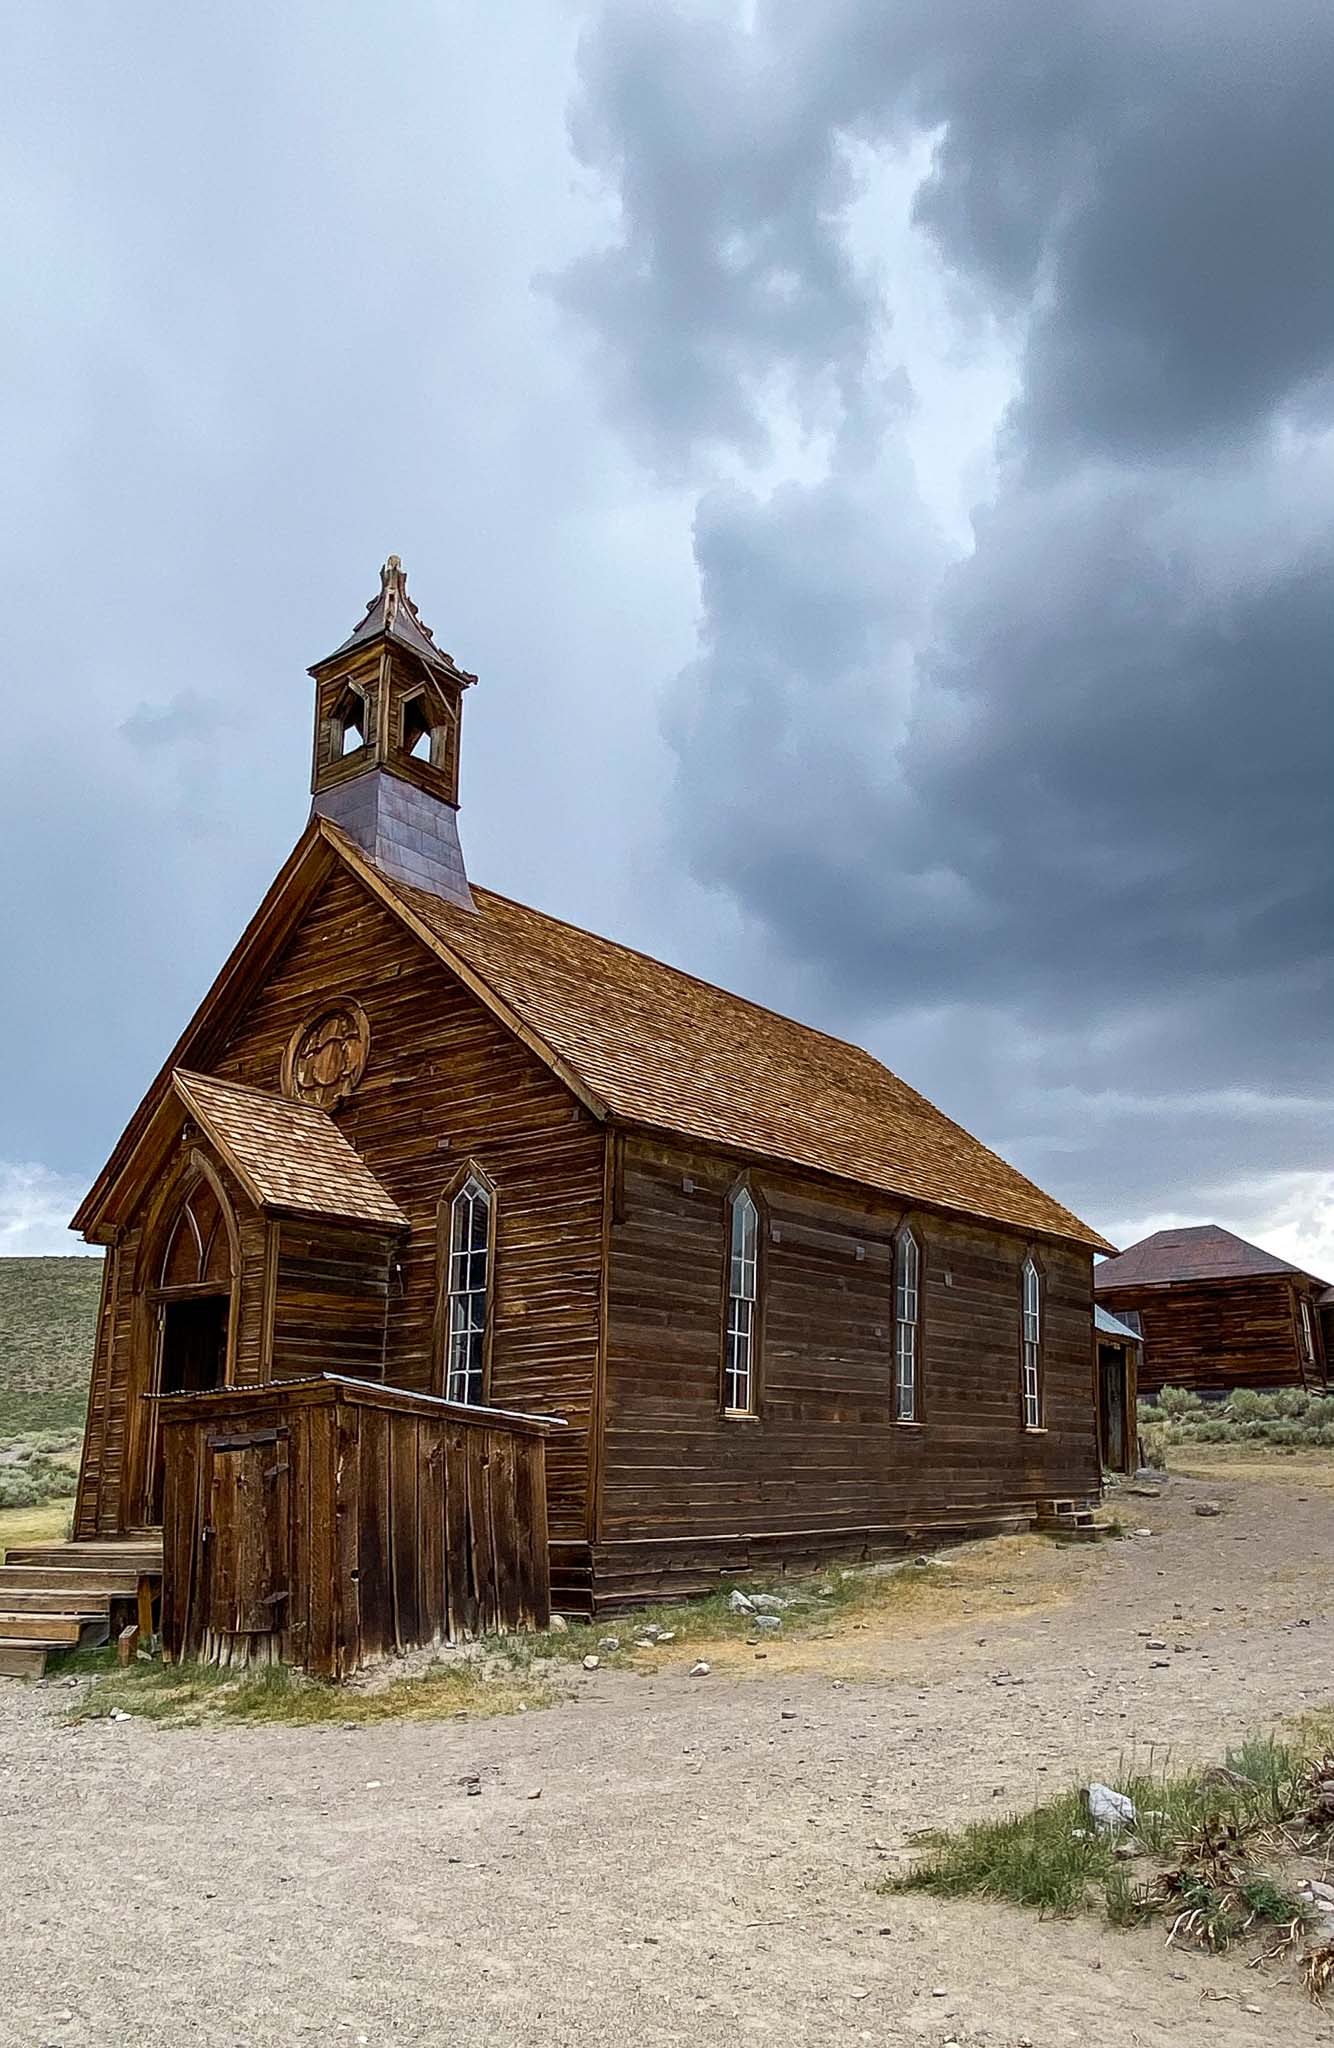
point(388, 713)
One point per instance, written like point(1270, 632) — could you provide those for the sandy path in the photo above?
point(697, 1867)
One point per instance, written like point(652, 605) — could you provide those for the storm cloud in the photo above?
point(1059, 784)
point(879, 458)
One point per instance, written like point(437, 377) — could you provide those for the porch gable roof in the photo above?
point(289, 1156)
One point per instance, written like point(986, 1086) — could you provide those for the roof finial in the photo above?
point(393, 586)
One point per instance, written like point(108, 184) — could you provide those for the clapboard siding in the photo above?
point(446, 1083)
point(824, 1454)
point(329, 1524)
point(330, 1301)
point(1219, 1333)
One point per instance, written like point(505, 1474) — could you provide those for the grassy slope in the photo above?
point(48, 1314)
point(47, 1523)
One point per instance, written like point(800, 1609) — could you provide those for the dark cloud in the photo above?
point(1079, 781)
point(1040, 809)
point(270, 316)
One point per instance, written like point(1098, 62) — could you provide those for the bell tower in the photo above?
point(388, 712)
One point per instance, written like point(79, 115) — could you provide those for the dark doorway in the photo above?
point(194, 1344)
point(1112, 1406)
point(194, 1359)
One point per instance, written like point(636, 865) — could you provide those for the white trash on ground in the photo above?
point(1110, 1811)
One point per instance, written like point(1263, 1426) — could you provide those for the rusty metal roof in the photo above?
point(1203, 1251)
point(289, 1156)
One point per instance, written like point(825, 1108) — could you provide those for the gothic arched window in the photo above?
point(469, 1291)
point(1032, 1340)
point(907, 1295)
point(743, 1289)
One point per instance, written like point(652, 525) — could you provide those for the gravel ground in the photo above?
point(700, 1864)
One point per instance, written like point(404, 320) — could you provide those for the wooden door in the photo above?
point(1112, 1406)
point(247, 1534)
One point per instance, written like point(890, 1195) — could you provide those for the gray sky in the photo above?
point(879, 458)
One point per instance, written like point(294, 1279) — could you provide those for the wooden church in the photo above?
point(458, 1259)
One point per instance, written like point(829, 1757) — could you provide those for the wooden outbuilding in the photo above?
point(1215, 1312)
point(421, 1136)
point(1116, 1379)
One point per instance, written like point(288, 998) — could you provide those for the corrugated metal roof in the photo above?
point(1111, 1326)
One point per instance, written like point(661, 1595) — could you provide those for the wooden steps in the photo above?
point(1072, 1519)
point(85, 1598)
point(83, 1578)
point(22, 1660)
point(65, 1596)
point(129, 1556)
point(57, 1631)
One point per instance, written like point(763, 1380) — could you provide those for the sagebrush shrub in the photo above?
point(1177, 1402)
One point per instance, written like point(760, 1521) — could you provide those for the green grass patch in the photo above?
point(192, 1694)
point(48, 1319)
point(41, 1418)
point(816, 1603)
point(49, 1523)
point(1194, 1835)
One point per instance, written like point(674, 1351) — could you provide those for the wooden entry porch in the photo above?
point(330, 1521)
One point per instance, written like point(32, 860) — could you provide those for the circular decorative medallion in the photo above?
point(326, 1056)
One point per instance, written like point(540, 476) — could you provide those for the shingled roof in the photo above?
point(657, 1048)
point(391, 614)
point(1203, 1251)
point(640, 1043)
point(289, 1156)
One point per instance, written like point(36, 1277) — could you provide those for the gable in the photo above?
point(322, 931)
point(628, 1037)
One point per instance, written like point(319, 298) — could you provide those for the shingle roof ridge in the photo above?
point(713, 988)
point(807, 1031)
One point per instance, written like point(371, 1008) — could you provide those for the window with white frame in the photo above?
point(907, 1275)
point(1308, 1332)
point(469, 1261)
point(742, 1295)
point(1032, 1346)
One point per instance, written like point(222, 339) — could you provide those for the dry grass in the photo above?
point(191, 1694)
point(48, 1523)
point(1305, 1469)
point(835, 1619)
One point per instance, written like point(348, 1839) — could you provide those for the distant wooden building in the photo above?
point(419, 1134)
point(1215, 1312)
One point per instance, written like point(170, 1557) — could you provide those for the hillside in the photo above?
point(48, 1314)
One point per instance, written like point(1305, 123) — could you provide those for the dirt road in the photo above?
point(700, 1864)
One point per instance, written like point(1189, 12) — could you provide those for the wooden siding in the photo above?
point(346, 1522)
point(445, 1083)
point(824, 1460)
point(1218, 1333)
point(330, 1301)
point(119, 1439)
